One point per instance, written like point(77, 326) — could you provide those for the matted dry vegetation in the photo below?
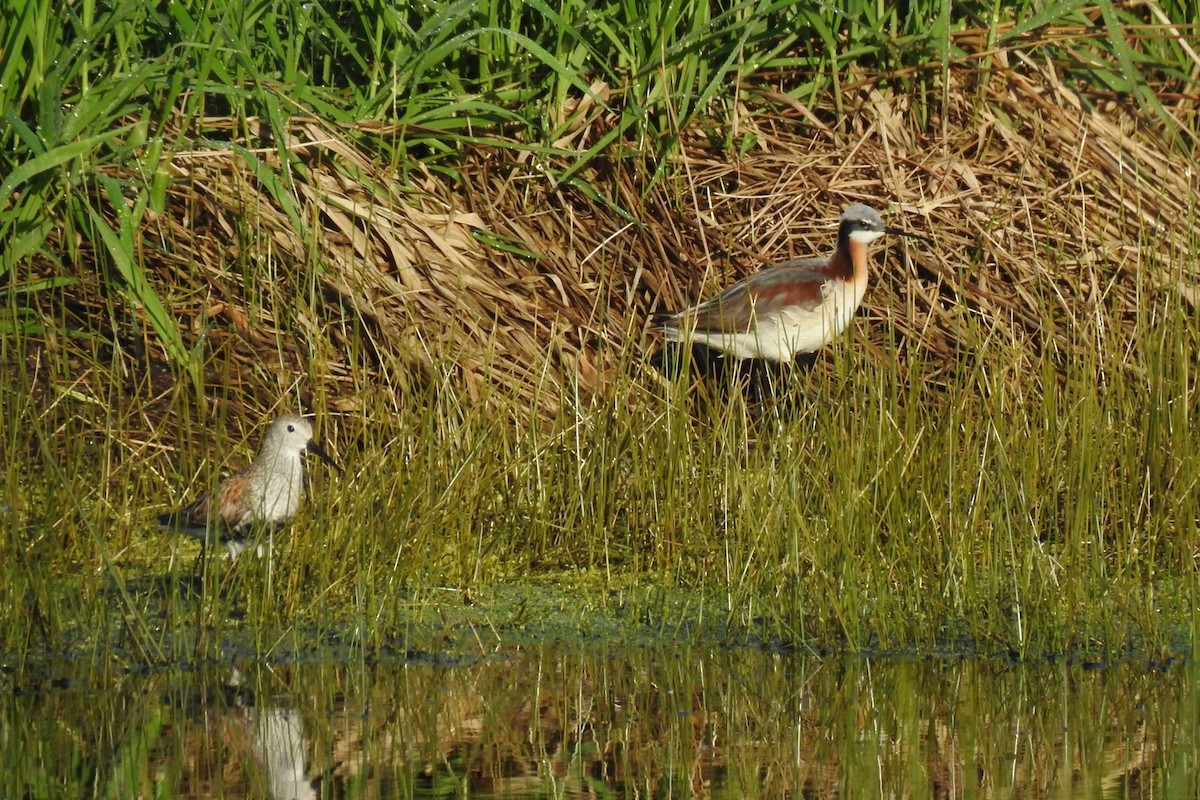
point(513, 284)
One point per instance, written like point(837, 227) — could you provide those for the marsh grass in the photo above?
point(1036, 500)
point(999, 457)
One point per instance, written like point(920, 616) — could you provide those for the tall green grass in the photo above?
point(92, 89)
point(1041, 502)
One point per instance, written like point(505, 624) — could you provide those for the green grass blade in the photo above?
point(120, 247)
point(52, 158)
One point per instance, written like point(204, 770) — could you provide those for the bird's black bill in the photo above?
point(313, 447)
point(908, 235)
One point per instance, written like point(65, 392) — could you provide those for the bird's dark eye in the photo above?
point(291, 428)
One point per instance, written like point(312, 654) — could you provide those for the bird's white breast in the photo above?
point(279, 492)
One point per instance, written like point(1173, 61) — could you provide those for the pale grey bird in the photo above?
point(265, 495)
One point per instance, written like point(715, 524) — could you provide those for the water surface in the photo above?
point(575, 720)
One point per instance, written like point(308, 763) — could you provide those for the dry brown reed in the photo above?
point(525, 289)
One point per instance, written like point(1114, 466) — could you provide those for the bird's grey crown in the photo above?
point(862, 213)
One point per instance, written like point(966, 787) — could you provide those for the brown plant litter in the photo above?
point(1036, 198)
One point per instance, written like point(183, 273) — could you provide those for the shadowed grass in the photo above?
point(999, 461)
point(1039, 502)
point(1037, 498)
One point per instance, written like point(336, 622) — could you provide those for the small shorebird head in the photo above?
point(292, 434)
point(863, 224)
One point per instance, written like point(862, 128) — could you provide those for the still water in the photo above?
point(592, 721)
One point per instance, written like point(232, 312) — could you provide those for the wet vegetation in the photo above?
point(443, 229)
point(577, 722)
